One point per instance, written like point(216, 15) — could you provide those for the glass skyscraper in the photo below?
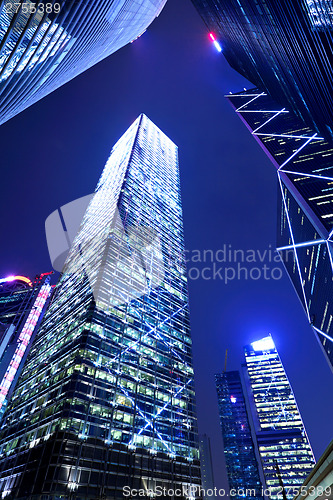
point(303, 161)
point(239, 448)
point(284, 48)
point(285, 451)
point(106, 398)
point(45, 44)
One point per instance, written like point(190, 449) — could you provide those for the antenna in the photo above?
point(225, 361)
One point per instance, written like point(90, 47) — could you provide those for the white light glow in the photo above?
point(217, 46)
point(264, 344)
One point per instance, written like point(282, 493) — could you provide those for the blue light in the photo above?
point(217, 46)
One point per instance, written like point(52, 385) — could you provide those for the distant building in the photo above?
point(45, 45)
point(22, 305)
point(206, 464)
point(286, 455)
point(239, 448)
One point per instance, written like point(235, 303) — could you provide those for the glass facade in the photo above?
point(303, 161)
point(45, 44)
point(22, 306)
point(285, 451)
point(239, 449)
point(106, 398)
point(280, 49)
point(320, 13)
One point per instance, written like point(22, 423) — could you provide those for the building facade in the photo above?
point(285, 452)
point(45, 44)
point(239, 447)
point(284, 48)
point(319, 484)
point(106, 398)
point(22, 305)
point(303, 161)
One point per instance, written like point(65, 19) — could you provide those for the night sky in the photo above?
point(55, 151)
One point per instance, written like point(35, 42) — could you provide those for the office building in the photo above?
point(46, 44)
point(303, 161)
point(22, 305)
point(319, 484)
point(106, 398)
point(284, 48)
point(239, 447)
point(285, 452)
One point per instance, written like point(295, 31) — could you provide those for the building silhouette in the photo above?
point(44, 45)
point(106, 398)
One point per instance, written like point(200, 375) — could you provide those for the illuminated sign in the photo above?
point(16, 278)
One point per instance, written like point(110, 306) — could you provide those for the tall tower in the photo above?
point(285, 451)
point(106, 398)
point(239, 447)
point(45, 44)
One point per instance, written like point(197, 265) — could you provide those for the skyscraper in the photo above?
point(285, 451)
point(44, 45)
point(305, 217)
point(106, 398)
point(239, 448)
point(22, 305)
point(284, 48)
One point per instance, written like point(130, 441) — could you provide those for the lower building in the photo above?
point(284, 448)
point(239, 448)
point(319, 483)
point(22, 305)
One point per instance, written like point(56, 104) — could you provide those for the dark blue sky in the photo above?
point(55, 151)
